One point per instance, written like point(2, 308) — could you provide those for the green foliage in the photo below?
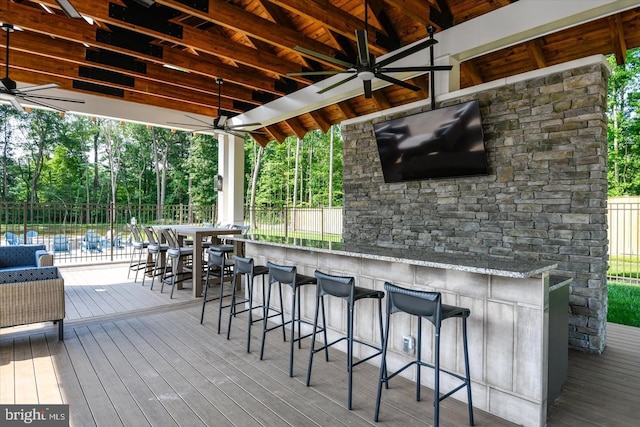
point(624, 126)
point(276, 184)
point(624, 304)
point(48, 157)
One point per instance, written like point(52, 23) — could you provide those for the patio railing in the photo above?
point(99, 233)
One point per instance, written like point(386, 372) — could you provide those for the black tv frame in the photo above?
point(442, 143)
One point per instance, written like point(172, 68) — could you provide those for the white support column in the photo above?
point(447, 82)
point(231, 168)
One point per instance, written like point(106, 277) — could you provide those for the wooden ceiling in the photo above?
point(123, 51)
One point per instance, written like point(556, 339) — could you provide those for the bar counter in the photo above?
point(508, 327)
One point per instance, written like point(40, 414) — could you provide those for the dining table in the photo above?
point(200, 234)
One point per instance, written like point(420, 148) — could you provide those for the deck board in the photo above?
point(132, 357)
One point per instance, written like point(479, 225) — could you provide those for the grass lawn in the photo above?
point(624, 304)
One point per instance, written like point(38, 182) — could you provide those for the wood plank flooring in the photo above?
point(133, 357)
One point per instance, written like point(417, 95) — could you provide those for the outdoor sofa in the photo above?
point(31, 287)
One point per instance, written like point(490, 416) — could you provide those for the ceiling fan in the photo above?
point(220, 123)
point(367, 68)
point(9, 90)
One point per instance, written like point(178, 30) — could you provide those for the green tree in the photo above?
point(624, 126)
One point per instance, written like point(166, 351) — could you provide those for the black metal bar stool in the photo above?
point(139, 245)
point(345, 288)
point(245, 267)
point(220, 267)
point(181, 258)
point(426, 305)
point(156, 251)
point(286, 275)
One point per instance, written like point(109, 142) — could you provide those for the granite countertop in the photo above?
point(473, 263)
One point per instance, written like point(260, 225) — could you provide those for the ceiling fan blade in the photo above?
point(409, 51)
point(243, 125)
point(39, 87)
point(44, 104)
point(413, 69)
point(325, 57)
point(316, 73)
point(237, 134)
point(49, 98)
point(328, 88)
point(15, 103)
point(221, 121)
point(397, 82)
point(198, 120)
point(367, 89)
point(363, 47)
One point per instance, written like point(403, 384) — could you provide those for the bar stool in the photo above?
point(139, 245)
point(217, 266)
point(345, 288)
point(426, 305)
point(156, 251)
point(286, 275)
point(245, 267)
point(181, 258)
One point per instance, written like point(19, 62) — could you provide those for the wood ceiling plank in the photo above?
point(63, 50)
point(381, 100)
point(471, 72)
point(78, 31)
point(534, 47)
point(417, 9)
point(38, 78)
point(346, 110)
point(70, 71)
point(331, 17)
point(201, 40)
point(237, 18)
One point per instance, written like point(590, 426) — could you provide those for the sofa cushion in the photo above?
point(20, 255)
point(28, 274)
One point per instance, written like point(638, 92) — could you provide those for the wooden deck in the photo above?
point(133, 357)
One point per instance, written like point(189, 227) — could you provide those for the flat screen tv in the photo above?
point(446, 142)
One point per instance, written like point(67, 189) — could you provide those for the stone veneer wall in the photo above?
point(544, 198)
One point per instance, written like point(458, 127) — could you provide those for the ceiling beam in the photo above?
point(78, 31)
point(70, 72)
point(236, 18)
point(617, 38)
point(320, 121)
point(534, 48)
point(62, 50)
point(200, 40)
point(331, 17)
point(296, 127)
point(416, 9)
